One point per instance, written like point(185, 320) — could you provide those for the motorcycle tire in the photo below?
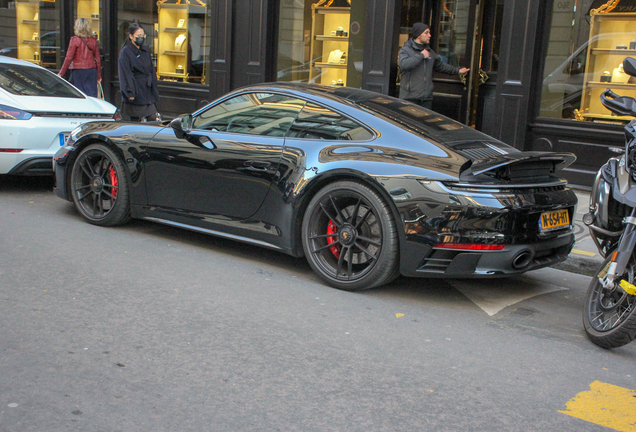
point(609, 317)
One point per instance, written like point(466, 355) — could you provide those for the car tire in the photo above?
point(350, 238)
point(99, 186)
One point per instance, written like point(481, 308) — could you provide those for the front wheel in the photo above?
point(99, 186)
point(349, 237)
point(609, 316)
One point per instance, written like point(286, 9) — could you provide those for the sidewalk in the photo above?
point(584, 258)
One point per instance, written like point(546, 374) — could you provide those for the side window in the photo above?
point(251, 113)
point(316, 122)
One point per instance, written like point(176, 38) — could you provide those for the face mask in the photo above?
point(139, 41)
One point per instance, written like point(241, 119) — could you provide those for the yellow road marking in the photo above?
point(580, 252)
point(605, 405)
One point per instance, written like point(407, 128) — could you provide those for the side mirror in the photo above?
point(182, 126)
point(629, 66)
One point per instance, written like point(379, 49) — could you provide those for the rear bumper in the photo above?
point(513, 259)
point(33, 166)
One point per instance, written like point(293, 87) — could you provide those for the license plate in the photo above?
point(554, 220)
point(63, 139)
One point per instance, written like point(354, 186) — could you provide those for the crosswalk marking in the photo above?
point(605, 405)
point(496, 294)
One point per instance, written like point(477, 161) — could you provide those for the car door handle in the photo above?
point(207, 143)
point(201, 141)
point(257, 165)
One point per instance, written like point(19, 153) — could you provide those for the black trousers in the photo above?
point(140, 113)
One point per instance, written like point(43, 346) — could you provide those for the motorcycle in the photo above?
point(609, 312)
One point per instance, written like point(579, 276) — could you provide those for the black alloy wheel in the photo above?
point(609, 316)
point(349, 237)
point(99, 187)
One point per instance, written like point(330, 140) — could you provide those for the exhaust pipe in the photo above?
point(522, 260)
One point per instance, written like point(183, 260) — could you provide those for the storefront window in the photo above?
point(321, 41)
point(177, 34)
point(587, 44)
point(30, 30)
point(92, 10)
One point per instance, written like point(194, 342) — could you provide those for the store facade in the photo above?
point(536, 66)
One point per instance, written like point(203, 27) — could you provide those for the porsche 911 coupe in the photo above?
point(365, 186)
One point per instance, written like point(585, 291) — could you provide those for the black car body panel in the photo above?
point(444, 182)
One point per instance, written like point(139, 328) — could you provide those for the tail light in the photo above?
point(469, 246)
point(10, 113)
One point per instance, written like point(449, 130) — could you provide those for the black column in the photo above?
point(381, 45)
point(253, 43)
point(517, 63)
point(220, 47)
point(110, 50)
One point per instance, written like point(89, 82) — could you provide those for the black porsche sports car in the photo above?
point(365, 186)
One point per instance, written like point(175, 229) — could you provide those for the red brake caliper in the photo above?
point(331, 229)
point(113, 181)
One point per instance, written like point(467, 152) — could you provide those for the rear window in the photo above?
point(32, 81)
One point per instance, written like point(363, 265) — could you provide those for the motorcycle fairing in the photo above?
point(622, 184)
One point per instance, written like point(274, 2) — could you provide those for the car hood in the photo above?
point(35, 104)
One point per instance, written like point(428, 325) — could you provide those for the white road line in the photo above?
point(496, 294)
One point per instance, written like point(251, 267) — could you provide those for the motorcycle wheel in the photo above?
point(609, 317)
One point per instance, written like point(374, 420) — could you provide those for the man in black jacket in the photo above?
point(417, 61)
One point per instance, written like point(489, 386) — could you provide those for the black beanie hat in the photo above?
point(418, 29)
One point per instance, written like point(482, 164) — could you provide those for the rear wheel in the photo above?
point(99, 187)
point(609, 316)
point(349, 237)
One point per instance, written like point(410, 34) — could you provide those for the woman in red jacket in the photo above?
point(82, 58)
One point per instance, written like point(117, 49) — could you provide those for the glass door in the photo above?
point(465, 33)
point(485, 63)
point(469, 36)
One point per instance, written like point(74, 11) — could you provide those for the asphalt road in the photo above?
point(150, 328)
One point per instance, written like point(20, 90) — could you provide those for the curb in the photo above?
point(579, 265)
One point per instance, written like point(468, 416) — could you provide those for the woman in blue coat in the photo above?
point(137, 77)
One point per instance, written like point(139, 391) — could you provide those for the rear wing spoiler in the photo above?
point(560, 161)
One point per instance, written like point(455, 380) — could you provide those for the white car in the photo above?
point(38, 111)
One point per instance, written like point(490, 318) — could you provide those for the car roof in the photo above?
point(350, 93)
point(11, 60)
point(441, 129)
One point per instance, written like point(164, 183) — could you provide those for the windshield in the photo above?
point(32, 81)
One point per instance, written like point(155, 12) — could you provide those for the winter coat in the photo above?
point(137, 76)
point(417, 71)
point(82, 53)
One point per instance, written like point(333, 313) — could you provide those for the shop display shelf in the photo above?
point(330, 65)
point(612, 85)
point(332, 38)
point(613, 51)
